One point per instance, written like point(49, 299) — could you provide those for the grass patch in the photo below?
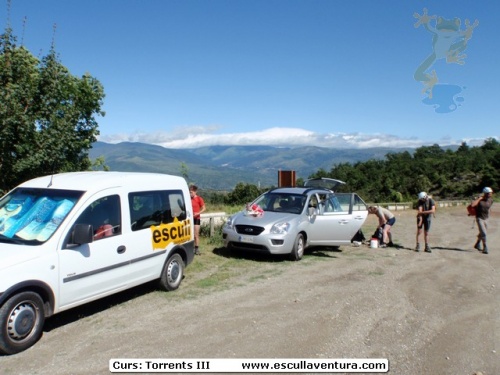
point(215, 270)
point(376, 273)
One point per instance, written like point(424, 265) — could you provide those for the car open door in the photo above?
point(340, 216)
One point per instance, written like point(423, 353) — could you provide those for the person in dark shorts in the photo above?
point(482, 206)
point(426, 208)
point(386, 221)
point(198, 207)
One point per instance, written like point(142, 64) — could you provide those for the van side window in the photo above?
point(104, 216)
point(149, 208)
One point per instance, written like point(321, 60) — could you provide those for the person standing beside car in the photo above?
point(483, 205)
point(386, 220)
point(198, 207)
point(426, 208)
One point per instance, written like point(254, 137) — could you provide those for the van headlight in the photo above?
point(280, 228)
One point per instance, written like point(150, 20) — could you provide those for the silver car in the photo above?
point(288, 220)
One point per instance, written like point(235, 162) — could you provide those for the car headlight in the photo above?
point(229, 223)
point(280, 228)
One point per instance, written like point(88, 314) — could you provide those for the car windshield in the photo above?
point(281, 202)
point(31, 216)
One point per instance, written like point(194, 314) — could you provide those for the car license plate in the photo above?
point(247, 239)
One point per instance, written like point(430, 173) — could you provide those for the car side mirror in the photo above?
point(311, 211)
point(82, 234)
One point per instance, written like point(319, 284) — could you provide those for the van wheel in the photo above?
point(21, 318)
point(172, 274)
point(298, 248)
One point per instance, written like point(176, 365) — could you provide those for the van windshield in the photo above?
point(31, 216)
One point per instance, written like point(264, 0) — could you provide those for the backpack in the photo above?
point(358, 237)
point(471, 211)
point(379, 234)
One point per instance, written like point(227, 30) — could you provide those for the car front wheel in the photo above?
point(22, 318)
point(173, 272)
point(298, 247)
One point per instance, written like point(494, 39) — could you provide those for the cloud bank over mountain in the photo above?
point(199, 136)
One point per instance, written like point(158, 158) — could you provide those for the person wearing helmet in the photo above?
point(426, 208)
point(482, 206)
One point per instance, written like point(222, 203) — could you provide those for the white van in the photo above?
point(71, 238)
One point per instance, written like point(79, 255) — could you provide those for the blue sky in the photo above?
point(190, 73)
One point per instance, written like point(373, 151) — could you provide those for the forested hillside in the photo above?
point(445, 174)
point(220, 168)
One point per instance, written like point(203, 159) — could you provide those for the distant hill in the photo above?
point(222, 167)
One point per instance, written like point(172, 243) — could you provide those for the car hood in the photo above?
point(267, 218)
point(11, 255)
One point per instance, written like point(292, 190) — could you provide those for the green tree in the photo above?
point(47, 117)
point(99, 164)
point(242, 194)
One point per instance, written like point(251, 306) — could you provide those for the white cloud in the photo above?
point(198, 136)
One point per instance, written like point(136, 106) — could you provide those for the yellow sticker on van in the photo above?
point(176, 232)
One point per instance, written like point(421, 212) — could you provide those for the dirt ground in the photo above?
point(435, 313)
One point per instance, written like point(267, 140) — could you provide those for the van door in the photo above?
point(96, 268)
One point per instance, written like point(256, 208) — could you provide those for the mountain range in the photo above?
point(222, 167)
